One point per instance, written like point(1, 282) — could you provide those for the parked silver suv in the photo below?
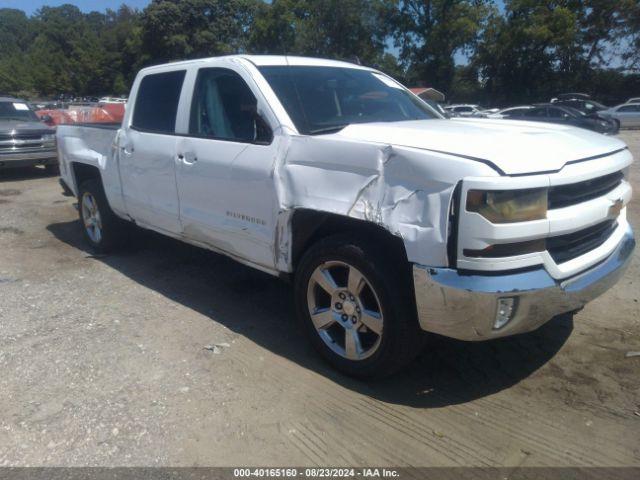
point(24, 139)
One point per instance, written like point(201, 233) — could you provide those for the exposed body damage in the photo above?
point(391, 218)
point(402, 189)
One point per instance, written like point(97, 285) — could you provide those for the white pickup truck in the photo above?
point(390, 219)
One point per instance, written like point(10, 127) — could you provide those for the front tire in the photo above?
point(356, 304)
point(102, 229)
point(617, 126)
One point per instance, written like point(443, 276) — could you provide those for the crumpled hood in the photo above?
point(513, 146)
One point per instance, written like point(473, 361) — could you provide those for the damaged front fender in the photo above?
point(405, 190)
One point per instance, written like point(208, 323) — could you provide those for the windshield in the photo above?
point(326, 99)
point(17, 110)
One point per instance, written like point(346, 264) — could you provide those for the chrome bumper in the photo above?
point(465, 306)
point(21, 159)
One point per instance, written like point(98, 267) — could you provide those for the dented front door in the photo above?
point(225, 183)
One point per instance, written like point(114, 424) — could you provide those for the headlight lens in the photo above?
point(49, 138)
point(508, 206)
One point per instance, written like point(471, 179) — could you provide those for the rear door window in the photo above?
point(157, 100)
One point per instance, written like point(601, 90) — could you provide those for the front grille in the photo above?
point(572, 194)
point(23, 136)
point(567, 247)
point(22, 141)
point(21, 148)
point(28, 136)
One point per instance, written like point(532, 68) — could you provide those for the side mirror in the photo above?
point(264, 135)
point(48, 119)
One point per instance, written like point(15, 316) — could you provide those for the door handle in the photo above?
point(187, 159)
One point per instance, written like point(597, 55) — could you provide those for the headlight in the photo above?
point(49, 138)
point(508, 206)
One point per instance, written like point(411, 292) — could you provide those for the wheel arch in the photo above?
point(82, 172)
point(308, 226)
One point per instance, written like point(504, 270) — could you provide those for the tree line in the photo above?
point(473, 50)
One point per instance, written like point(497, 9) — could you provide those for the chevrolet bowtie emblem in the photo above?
point(614, 210)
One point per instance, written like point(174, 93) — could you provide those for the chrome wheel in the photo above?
point(345, 310)
point(91, 217)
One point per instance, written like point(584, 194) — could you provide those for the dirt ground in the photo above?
point(103, 363)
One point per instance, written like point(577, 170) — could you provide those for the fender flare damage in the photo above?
point(399, 189)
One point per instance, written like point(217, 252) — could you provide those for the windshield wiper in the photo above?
point(329, 129)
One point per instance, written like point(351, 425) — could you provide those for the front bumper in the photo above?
point(465, 306)
point(26, 159)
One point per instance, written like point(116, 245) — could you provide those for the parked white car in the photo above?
point(389, 219)
point(107, 100)
point(463, 110)
point(628, 114)
point(633, 100)
point(511, 112)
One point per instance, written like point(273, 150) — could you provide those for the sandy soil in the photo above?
point(103, 362)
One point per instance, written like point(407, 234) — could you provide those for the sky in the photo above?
point(30, 6)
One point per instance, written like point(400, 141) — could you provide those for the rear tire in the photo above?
point(356, 304)
point(102, 229)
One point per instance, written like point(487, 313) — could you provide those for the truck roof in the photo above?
point(266, 60)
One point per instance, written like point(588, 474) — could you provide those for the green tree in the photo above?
point(15, 36)
point(15, 31)
point(429, 33)
point(521, 50)
point(343, 29)
point(526, 51)
point(466, 86)
point(389, 64)
point(66, 54)
point(537, 49)
point(182, 29)
point(119, 33)
point(631, 29)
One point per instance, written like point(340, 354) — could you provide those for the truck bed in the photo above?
point(88, 144)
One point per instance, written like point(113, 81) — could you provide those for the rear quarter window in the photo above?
point(157, 100)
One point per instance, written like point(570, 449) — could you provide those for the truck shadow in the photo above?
point(259, 306)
